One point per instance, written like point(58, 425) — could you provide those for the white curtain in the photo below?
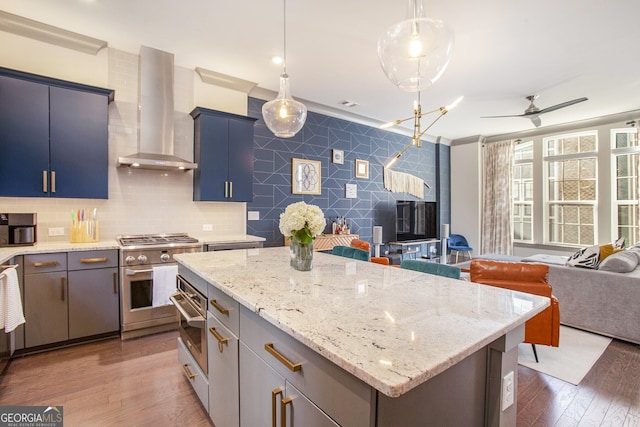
point(497, 233)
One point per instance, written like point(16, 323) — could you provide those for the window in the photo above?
point(625, 151)
point(522, 192)
point(571, 173)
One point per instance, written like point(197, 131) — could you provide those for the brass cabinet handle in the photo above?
point(62, 280)
point(293, 367)
point(188, 372)
point(45, 185)
point(93, 260)
point(45, 264)
point(115, 283)
point(283, 409)
point(53, 181)
point(221, 340)
point(275, 392)
point(220, 308)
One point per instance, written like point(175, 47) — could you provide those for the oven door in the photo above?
point(192, 326)
point(137, 297)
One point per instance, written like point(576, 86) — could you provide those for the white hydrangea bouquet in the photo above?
point(302, 222)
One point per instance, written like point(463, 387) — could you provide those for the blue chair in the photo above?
point(431, 268)
point(349, 252)
point(458, 243)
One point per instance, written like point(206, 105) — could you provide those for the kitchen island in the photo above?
point(400, 347)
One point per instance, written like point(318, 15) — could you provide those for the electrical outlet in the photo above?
point(207, 227)
point(56, 231)
point(253, 215)
point(508, 390)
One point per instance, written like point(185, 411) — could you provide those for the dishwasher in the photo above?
point(228, 246)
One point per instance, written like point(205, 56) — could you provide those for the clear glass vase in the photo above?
point(301, 255)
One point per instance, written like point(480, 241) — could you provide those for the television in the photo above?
point(416, 220)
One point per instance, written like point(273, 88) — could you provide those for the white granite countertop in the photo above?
point(392, 328)
point(8, 252)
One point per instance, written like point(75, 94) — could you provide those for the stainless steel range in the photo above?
point(147, 279)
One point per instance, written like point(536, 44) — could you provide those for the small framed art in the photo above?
point(306, 176)
point(337, 156)
point(362, 169)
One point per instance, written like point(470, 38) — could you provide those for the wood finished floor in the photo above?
point(139, 383)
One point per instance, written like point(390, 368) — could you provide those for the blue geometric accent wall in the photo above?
point(373, 206)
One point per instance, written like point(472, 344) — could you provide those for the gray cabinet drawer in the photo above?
point(194, 374)
point(84, 260)
point(44, 263)
point(224, 308)
point(342, 396)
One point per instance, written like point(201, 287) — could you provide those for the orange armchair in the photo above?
point(544, 328)
point(364, 245)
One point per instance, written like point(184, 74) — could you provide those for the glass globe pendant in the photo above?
point(284, 116)
point(415, 52)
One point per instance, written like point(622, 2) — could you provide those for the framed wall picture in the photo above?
point(337, 156)
point(362, 169)
point(306, 176)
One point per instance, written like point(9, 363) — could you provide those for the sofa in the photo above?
point(604, 302)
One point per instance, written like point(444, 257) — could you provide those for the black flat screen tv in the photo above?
point(416, 220)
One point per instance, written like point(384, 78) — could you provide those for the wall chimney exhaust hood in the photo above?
point(155, 150)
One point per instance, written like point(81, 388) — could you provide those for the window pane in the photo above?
point(587, 143)
point(570, 146)
point(588, 168)
point(587, 190)
point(623, 189)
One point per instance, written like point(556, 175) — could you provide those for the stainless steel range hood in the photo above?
point(156, 150)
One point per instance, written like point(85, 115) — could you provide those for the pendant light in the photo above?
point(284, 116)
point(415, 52)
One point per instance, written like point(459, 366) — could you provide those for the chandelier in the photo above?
point(415, 52)
point(284, 116)
point(418, 132)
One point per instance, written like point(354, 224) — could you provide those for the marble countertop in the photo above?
point(8, 252)
point(392, 328)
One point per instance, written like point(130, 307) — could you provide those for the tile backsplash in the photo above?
point(140, 201)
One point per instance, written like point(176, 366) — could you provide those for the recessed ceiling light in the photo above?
point(277, 60)
point(347, 103)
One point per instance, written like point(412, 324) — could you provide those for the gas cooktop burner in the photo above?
point(156, 239)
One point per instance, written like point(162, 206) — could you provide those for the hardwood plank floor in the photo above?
point(139, 382)
point(108, 383)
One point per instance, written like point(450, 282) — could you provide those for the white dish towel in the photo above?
point(164, 284)
point(11, 314)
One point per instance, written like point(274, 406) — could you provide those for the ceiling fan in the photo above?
point(533, 113)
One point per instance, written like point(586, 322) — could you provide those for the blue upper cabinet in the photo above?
point(223, 150)
point(53, 137)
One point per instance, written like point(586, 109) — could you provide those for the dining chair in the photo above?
point(436, 268)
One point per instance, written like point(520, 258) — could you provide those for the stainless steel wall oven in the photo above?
point(192, 320)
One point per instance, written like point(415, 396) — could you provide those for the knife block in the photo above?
point(84, 231)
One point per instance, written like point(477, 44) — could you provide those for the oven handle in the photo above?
point(131, 272)
point(196, 322)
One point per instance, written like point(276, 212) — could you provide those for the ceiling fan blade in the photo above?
point(497, 117)
point(562, 105)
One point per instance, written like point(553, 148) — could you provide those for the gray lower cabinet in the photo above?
point(70, 296)
point(224, 395)
point(45, 299)
point(267, 397)
point(94, 298)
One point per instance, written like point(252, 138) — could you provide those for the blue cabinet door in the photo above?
point(223, 149)
point(211, 153)
point(241, 159)
point(78, 143)
point(24, 137)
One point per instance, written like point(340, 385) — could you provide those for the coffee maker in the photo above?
point(18, 229)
